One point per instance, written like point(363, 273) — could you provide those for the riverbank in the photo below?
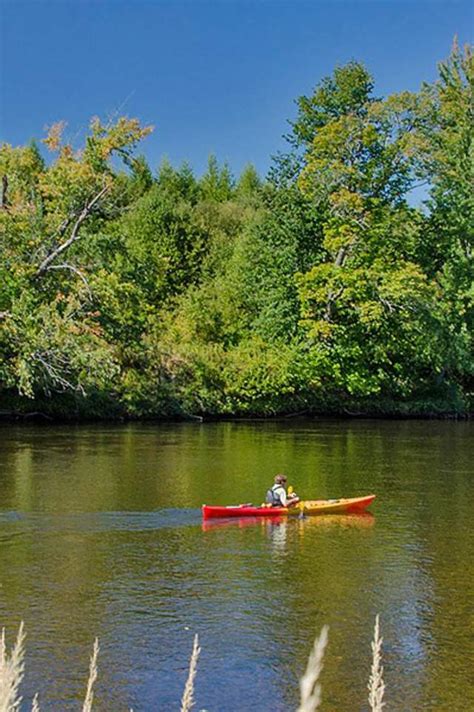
point(68, 410)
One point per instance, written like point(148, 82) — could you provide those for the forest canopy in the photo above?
point(324, 287)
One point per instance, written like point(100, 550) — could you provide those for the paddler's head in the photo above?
point(280, 479)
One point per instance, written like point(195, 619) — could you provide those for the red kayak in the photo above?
point(310, 507)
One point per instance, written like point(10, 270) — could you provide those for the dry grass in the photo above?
point(376, 684)
point(12, 669)
point(187, 701)
point(12, 672)
point(87, 707)
point(310, 689)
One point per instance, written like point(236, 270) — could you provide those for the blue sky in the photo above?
point(213, 76)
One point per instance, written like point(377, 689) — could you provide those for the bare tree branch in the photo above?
point(66, 265)
point(56, 378)
point(332, 298)
point(4, 200)
point(341, 256)
point(44, 266)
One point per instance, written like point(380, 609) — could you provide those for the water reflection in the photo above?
point(277, 533)
point(361, 520)
point(239, 522)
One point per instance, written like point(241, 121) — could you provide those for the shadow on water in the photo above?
point(96, 522)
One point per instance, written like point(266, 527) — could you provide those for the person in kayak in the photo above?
point(277, 495)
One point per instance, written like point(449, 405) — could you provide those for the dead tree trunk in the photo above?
point(46, 263)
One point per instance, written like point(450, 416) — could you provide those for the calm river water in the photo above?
point(101, 535)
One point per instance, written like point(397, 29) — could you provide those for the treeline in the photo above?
point(325, 287)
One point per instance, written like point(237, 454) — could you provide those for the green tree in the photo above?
point(217, 184)
point(249, 184)
point(367, 302)
point(347, 92)
point(446, 150)
point(50, 335)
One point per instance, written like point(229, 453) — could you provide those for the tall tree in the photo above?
point(217, 184)
point(50, 336)
point(368, 294)
point(446, 150)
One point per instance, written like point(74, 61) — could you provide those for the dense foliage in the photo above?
point(324, 288)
